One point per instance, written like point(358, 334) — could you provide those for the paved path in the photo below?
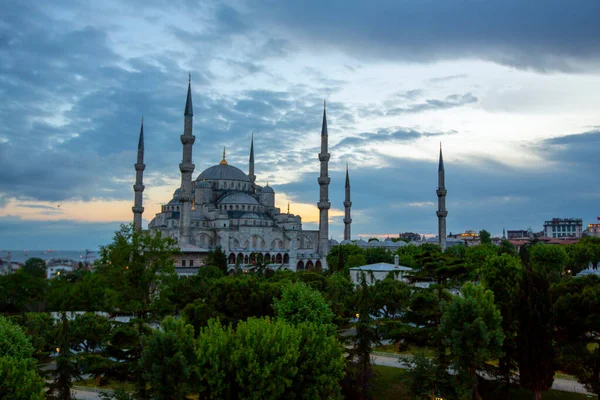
point(559, 384)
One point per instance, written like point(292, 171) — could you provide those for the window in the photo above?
point(191, 263)
point(183, 263)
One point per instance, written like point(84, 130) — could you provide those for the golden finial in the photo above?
point(223, 161)
point(189, 77)
point(440, 144)
point(288, 207)
point(324, 103)
point(267, 183)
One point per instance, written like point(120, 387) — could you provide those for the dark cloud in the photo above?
point(527, 34)
point(451, 101)
point(385, 136)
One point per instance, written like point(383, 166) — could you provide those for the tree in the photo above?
point(375, 255)
point(320, 364)
point(139, 273)
point(541, 267)
point(502, 275)
point(35, 267)
point(485, 237)
point(347, 250)
point(216, 258)
point(339, 293)
point(19, 379)
point(256, 361)
point(300, 303)
point(169, 360)
point(577, 313)
point(359, 373)
point(471, 327)
point(67, 368)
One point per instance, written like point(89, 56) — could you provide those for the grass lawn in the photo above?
point(387, 385)
point(91, 382)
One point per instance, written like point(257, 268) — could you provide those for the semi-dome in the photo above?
point(250, 216)
point(223, 172)
point(239, 198)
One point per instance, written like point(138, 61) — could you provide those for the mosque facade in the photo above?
point(224, 206)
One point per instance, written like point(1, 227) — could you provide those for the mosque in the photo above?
point(225, 207)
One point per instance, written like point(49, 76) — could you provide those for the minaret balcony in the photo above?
point(186, 167)
point(324, 156)
point(138, 187)
point(441, 192)
point(347, 221)
point(441, 214)
point(140, 166)
point(347, 204)
point(137, 210)
point(324, 180)
point(187, 139)
point(323, 205)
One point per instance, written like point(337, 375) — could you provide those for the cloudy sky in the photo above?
point(511, 88)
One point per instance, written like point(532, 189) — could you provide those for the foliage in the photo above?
point(19, 380)
point(168, 360)
point(320, 364)
point(80, 291)
point(35, 267)
point(138, 268)
point(300, 303)
point(549, 260)
point(13, 341)
point(577, 311)
point(339, 294)
point(18, 377)
point(37, 326)
point(67, 368)
point(217, 258)
point(359, 373)
point(352, 256)
point(485, 237)
point(22, 292)
point(502, 275)
point(374, 255)
point(256, 361)
point(536, 322)
point(471, 327)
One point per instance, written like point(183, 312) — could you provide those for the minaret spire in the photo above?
point(138, 188)
point(347, 207)
point(251, 161)
point(187, 168)
point(441, 193)
point(324, 180)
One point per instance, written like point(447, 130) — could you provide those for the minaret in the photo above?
point(251, 162)
point(441, 193)
point(324, 180)
point(138, 188)
point(347, 206)
point(186, 167)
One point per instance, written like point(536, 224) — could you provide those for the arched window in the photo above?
point(225, 185)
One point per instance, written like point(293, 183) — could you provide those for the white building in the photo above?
point(564, 228)
point(378, 272)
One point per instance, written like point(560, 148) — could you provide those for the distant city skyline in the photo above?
point(514, 102)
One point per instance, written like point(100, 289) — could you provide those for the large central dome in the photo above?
point(223, 172)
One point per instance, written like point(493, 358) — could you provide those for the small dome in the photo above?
point(361, 243)
point(346, 242)
point(203, 184)
point(375, 243)
point(239, 198)
point(175, 199)
point(268, 189)
point(223, 172)
point(333, 242)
